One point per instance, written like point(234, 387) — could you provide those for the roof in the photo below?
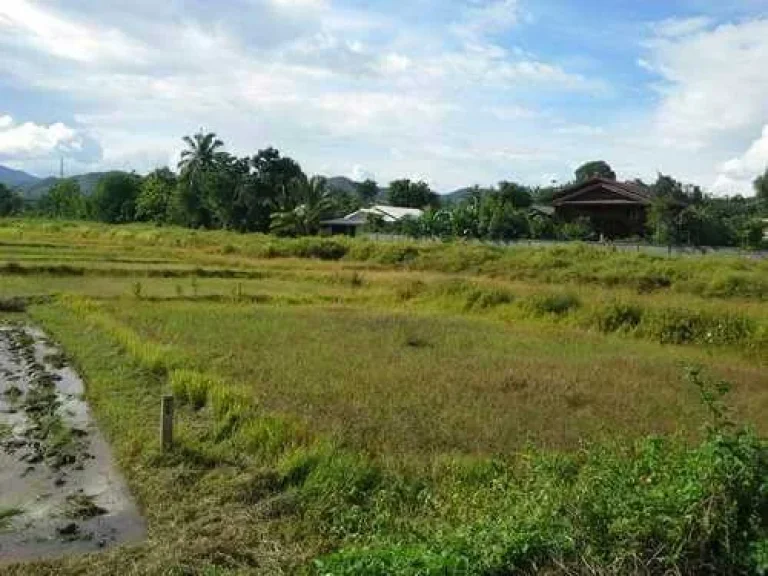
point(542, 209)
point(631, 192)
point(386, 213)
point(393, 213)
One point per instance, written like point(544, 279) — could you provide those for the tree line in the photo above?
point(211, 188)
point(680, 214)
point(269, 192)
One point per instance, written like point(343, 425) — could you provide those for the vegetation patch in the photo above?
point(555, 304)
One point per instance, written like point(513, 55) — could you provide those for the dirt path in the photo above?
point(60, 492)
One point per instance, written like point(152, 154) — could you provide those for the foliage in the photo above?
point(63, 200)
point(114, 200)
point(761, 189)
point(411, 194)
point(304, 220)
point(10, 202)
point(155, 202)
point(368, 190)
point(597, 168)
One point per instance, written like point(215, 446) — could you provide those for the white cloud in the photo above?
point(29, 140)
point(737, 174)
point(26, 23)
point(712, 94)
point(715, 82)
point(677, 27)
point(483, 17)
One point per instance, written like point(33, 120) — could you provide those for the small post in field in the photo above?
point(166, 422)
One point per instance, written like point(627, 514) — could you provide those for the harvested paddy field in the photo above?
point(347, 407)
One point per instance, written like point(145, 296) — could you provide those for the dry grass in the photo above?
point(396, 383)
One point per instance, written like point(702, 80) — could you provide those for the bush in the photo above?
point(483, 298)
point(557, 304)
point(617, 316)
point(684, 326)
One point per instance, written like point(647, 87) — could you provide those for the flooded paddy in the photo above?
point(60, 492)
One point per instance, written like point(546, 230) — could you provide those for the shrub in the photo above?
point(683, 326)
point(484, 298)
point(557, 304)
point(617, 316)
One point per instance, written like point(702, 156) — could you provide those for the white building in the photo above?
point(349, 224)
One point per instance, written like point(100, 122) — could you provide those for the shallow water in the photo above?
point(41, 486)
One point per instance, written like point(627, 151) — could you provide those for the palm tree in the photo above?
point(201, 152)
point(313, 201)
point(199, 158)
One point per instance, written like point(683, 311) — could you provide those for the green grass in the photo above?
point(710, 276)
point(347, 407)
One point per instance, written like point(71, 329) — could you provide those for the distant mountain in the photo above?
point(87, 184)
point(16, 178)
point(342, 184)
point(457, 195)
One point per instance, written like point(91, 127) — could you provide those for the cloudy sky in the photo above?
point(456, 92)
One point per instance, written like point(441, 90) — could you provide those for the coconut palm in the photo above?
point(201, 153)
point(313, 201)
point(199, 159)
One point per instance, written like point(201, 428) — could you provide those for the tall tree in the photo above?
point(313, 203)
point(198, 159)
point(761, 189)
point(595, 168)
point(368, 190)
point(63, 200)
point(276, 175)
point(10, 202)
point(114, 199)
point(156, 195)
point(409, 194)
point(515, 194)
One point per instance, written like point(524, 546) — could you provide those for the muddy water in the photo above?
point(60, 492)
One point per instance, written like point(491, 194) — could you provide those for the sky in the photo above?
point(455, 92)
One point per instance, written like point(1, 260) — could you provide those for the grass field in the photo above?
point(359, 408)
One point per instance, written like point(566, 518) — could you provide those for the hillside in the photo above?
point(87, 184)
point(16, 178)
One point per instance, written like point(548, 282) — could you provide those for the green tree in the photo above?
point(10, 202)
point(276, 176)
point(63, 200)
point(751, 233)
point(368, 190)
point(114, 199)
point(515, 194)
point(197, 161)
point(156, 196)
point(223, 190)
point(761, 190)
point(595, 169)
point(664, 223)
point(313, 202)
point(409, 194)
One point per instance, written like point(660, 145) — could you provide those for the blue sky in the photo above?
point(457, 92)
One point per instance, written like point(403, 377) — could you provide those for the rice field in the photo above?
point(353, 408)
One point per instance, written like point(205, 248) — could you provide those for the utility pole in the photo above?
point(61, 167)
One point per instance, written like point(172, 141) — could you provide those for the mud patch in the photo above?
point(60, 492)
